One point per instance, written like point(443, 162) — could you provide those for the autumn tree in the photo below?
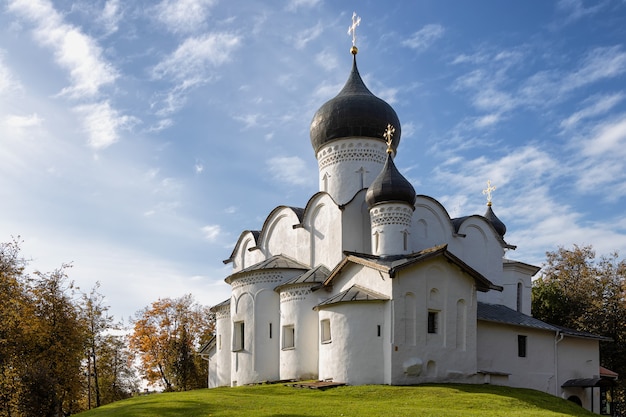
point(578, 291)
point(109, 371)
point(166, 336)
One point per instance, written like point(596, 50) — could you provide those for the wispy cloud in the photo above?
point(74, 51)
point(184, 16)
point(294, 5)
point(7, 80)
point(17, 121)
point(303, 37)
point(211, 232)
point(600, 63)
point(575, 9)
point(103, 123)
point(425, 37)
point(595, 106)
point(289, 169)
point(196, 55)
point(111, 16)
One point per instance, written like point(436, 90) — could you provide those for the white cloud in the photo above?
point(609, 139)
point(102, 123)
point(111, 15)
point(16, 121)
point(307, 35)
point(7, 80)
point(184, 15)
point(327, 60)
point(294, 5)
point(195, 55)
point(600, 63)
point(425, 37)
point(74, 51)
point(289, 169)
point(211, 232)
point(598, 106)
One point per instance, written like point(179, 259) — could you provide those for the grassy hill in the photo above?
point(360, 401)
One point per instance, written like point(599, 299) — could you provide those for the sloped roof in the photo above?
point(353, 294)
point(275, 262)
point(502, 314)
point(392, 264)
point(316, 275)
point(220, 305)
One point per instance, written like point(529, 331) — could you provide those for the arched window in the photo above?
point(520, 293)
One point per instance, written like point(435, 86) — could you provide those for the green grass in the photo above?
point(359, 401)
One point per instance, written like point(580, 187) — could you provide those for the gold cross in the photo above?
point(488, 191)
point(352, 28)
point(388, 135)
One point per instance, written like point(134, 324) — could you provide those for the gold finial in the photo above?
point(388, 135)
point(356, 20)
point(488, 191)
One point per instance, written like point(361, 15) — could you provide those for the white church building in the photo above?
point(369, 283)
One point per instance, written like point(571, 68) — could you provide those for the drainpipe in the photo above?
point(557, 338)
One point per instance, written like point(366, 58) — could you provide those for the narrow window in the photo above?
point(270, 330)
point(288, 337)
point(239, 336)
point(520, 289)
point(521, 346)
point(219, 342)
point(325, 331)
point(378, 330)
point(432, 322)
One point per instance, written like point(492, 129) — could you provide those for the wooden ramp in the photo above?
point(316, 384)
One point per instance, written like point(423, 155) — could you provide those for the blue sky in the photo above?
point(138, 139)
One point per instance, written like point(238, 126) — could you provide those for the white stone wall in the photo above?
point(219, 362)
point(299, 362)
point(391, 229)
point(349, 165)
point(448, 354)
point(355, 355)
point(498, 352)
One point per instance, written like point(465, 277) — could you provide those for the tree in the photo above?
point(165, 336)
point(577, 291)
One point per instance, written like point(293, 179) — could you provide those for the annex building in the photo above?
point(369, 283)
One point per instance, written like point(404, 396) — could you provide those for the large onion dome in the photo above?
point(355, 111)
point(494, 220)
point(390, 186)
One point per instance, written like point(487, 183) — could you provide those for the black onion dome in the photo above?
point(390, 186)
point(355, 111)
point(495, 221)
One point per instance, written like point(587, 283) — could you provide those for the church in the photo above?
point(372, 283)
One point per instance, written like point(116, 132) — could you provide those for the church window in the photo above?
point(520, 289)
point(289, 337)
point(432, 322)
point(219, 342)
point(325, 331)
point(239, 336)
point(270, 330)
point(378, 330)
point(521, 346)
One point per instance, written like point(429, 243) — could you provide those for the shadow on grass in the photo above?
point(523, 395)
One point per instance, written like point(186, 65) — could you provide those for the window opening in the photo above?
point(325, 331)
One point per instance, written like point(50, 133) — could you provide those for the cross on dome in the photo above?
point(356, 20)
point(488, 191)
point(388, 135)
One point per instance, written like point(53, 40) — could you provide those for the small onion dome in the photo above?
point(495, 221)
point(390, 186)
point(355, 111)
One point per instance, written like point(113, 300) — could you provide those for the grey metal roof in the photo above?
point(220, 305)
point(495, 221)
point(392, 264)
point(353, 294)
point(502, 314)
point(355, 111)
point(390, 185)
point(316, 275)
point(589, 382)
point(275, 262)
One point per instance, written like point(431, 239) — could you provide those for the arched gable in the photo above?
point(322, 220)
point(480, 246)
point(431, 224)
point(239, 256)
point(278, 235)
